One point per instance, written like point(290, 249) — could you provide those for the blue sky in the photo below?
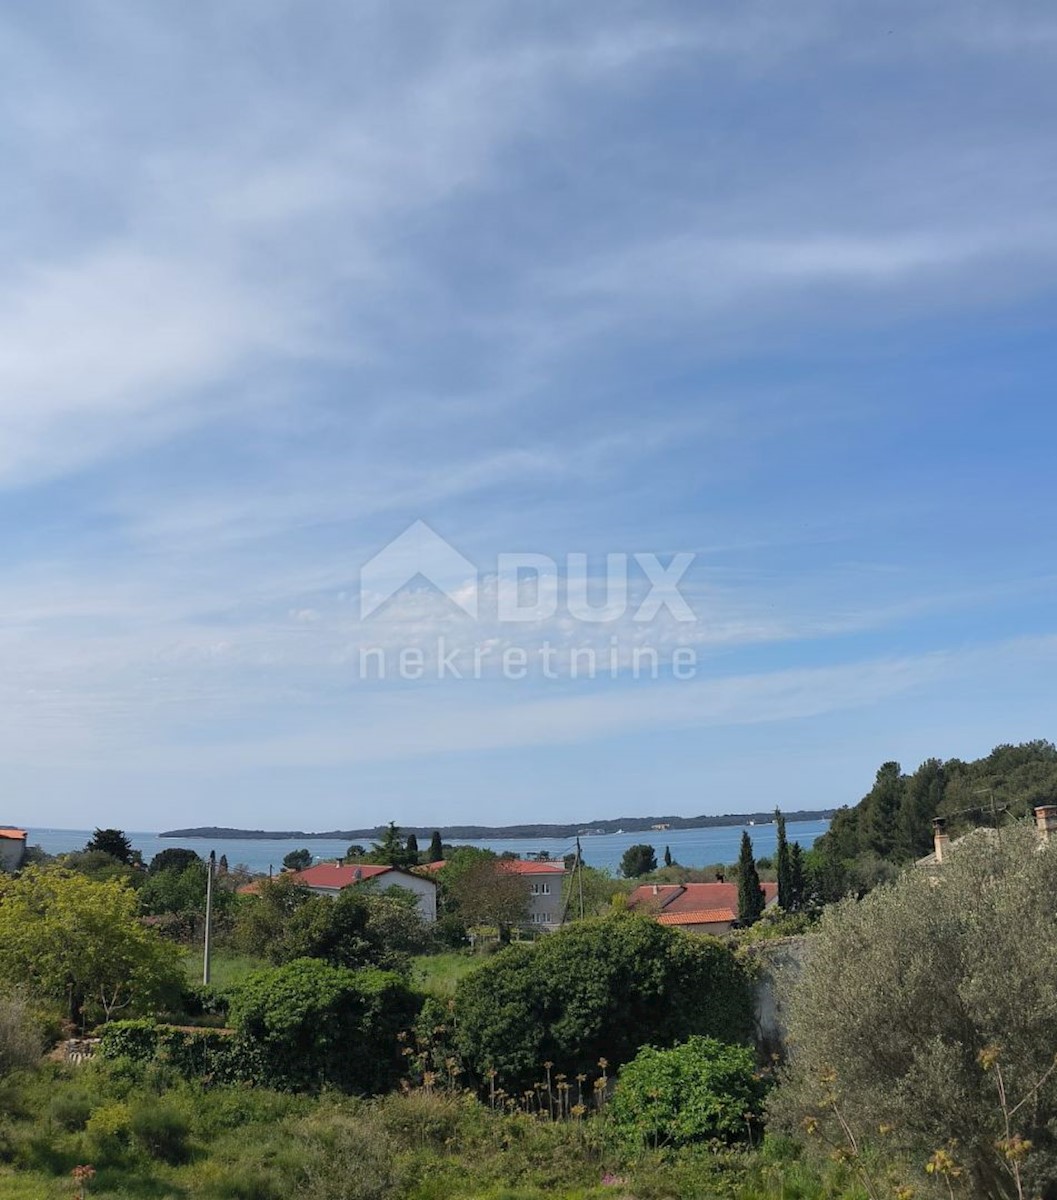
point(769, 284)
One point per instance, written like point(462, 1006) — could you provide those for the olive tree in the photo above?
point(928, 1010)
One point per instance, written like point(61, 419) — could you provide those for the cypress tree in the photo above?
point(782, 866)
point(750, 894)
point(667, 856)
point(411, 846)
point(798, 884)
point(436, 850)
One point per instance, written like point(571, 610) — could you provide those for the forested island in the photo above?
point(481, 832)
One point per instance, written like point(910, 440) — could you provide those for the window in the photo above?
point(541, 889)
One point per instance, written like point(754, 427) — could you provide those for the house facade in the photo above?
point(696, 907)
point(544, 881)
point(12, 848)
point(328, 879)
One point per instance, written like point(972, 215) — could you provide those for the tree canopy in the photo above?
point(80, 940)
point(638, 860)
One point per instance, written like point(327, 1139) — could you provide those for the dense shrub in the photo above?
point(161, 1130)
point(20, 1043)
point(314, 1024)
point(929, 1008)
point(696, 1091)
point(135, 1039)
point(597, 989)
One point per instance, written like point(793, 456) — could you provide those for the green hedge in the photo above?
point(597, 990)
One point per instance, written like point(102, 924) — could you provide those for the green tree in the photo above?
point(597, 989)
point(638, 860)
point(392, 851)
point(921, 801)
point(698, 1091)
point(316, 1025)
point(112, 842)
point(880, 810)
point(436, 848)
point(356, 853)
point(77, 940)
point(297, 860)
point(797, 877)
point(261, 920)
point(175, 858)
point(751, 899)
point(411, 846)
point(667, 856)
point(480, 890)
point(783, 866)
point(930, 1008)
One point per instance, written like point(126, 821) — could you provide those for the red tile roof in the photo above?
point(692, 897)
point(707, 916)
point(339, 875)
point(522, 867)
point(18, 835)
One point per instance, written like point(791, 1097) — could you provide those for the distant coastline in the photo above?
point(653, 825)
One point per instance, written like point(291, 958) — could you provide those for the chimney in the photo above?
point(656, 890)
point(940, 838)
point(1046, 821)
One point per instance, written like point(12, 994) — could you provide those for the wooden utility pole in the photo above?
point(210, 869)
point(580, 876)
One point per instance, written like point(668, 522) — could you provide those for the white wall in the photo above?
point(424, 889)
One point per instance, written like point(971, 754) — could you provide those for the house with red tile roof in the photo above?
point(328, 879)
point(12, 848)
point(696, 907)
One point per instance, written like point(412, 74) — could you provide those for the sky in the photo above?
point(767, 289)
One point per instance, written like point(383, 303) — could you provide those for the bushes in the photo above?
point(20, 1043)
point(314, 1024)
point(912, 1001)
point(162, 1131)
point(700, 1090)
point(597, 989)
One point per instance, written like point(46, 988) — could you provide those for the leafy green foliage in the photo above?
point(597, 989)
point(751, 900)
point(318, 1025)
point(112, 842)
point(699, 1090)
point(79, 940)
point(638, 860)
point(20, 1042)
point(173, 858)
point(297, 860)
point(479, 891)
point(893, 821)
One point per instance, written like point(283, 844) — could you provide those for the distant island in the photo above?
point(499, 832)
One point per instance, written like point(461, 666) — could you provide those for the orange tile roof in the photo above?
point(18, 835)
point(522, 867)
point(692, 897)
point(707, 916)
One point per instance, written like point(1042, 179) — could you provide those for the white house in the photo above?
point(12, 848)
point(328, 879)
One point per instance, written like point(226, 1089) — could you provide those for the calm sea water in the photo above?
point(691, 847)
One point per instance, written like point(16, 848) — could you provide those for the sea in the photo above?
point(689, 847)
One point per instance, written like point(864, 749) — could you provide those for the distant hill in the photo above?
point(893, 821)
point(482, 832)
